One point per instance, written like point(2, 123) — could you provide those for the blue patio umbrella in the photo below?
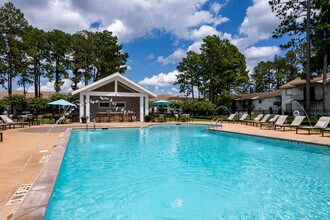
point(61, 102)
point(161, 103)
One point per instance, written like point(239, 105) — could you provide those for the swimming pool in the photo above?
point(187, 172)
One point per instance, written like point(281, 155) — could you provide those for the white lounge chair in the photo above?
point(294, 124)
point(10, 122)
point(243, 117)
point(320, 125)
point(280, 121)
point(270, 123)
point(256, 119)
point(231, 118)
point(263, 120)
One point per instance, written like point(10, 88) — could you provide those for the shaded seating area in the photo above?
point(112, 116)
point(321, 125)
point(294, 124)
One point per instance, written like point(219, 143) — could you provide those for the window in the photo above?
point(104, 104)
point(288, 106)
point(260, 101)
point(288, 92)
point(120, 104)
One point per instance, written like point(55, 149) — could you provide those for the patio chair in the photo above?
point(320, 125)
point(231, 118)
point(294, 124)
point(161, 118)
point(263, 120)
point(258, 118)
point(177, 117)
point(280, 121)
point(243, 117)
point(270, 123)
point(10, 122)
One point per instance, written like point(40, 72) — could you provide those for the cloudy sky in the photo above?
point(157, 33)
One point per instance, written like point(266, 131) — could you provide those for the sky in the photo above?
point(156, 34)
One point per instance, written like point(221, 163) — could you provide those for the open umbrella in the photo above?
point(61, 102)
point(161, 103)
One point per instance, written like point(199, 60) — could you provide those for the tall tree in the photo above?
point(58, 57)
point(83, 57)
point(295, 17)
point(190, 73)
point(12, 27)
point(224, 68)
point(109, 58)
point(35, 43)
point(292, 63)
point(263, 77)
point(321, 42)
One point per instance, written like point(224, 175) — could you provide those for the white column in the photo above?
point(147, 105)
point(116, 86)
point(82, 106)
point(141, 109)
point(87, 108)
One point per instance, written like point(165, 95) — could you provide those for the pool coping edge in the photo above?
point(36, 201)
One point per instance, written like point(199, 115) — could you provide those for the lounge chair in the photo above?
point(161, 118)
point(263, 120)
point(294, 124)
point(258, 118)
point(231, 118)
point(280, 121)
point(270, 123)
point(10, 122)
point(321, 125)
point(243, 117)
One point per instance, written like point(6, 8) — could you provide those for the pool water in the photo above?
point(187, 172)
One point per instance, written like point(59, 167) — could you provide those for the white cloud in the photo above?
point(173, 58)
point(119, 29)
point(203, 31)
point(160, 80)
point(126, 18)
point(259, 23)
point(254, 55)
point(197, 35)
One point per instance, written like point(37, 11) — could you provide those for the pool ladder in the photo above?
point(215, 123)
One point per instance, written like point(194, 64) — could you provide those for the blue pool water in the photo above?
point(186, 172)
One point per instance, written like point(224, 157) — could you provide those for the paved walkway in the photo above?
point(23, 148)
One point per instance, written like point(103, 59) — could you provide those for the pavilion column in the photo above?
point(88, 107)
point(82, 106)
point(146, 105)
point(141, 109)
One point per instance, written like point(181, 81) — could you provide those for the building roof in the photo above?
point(112, 78)
point(43, 94)
point(299, 81)
point(258, 95)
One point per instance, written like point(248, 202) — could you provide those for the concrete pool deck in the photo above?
point(25, 144)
